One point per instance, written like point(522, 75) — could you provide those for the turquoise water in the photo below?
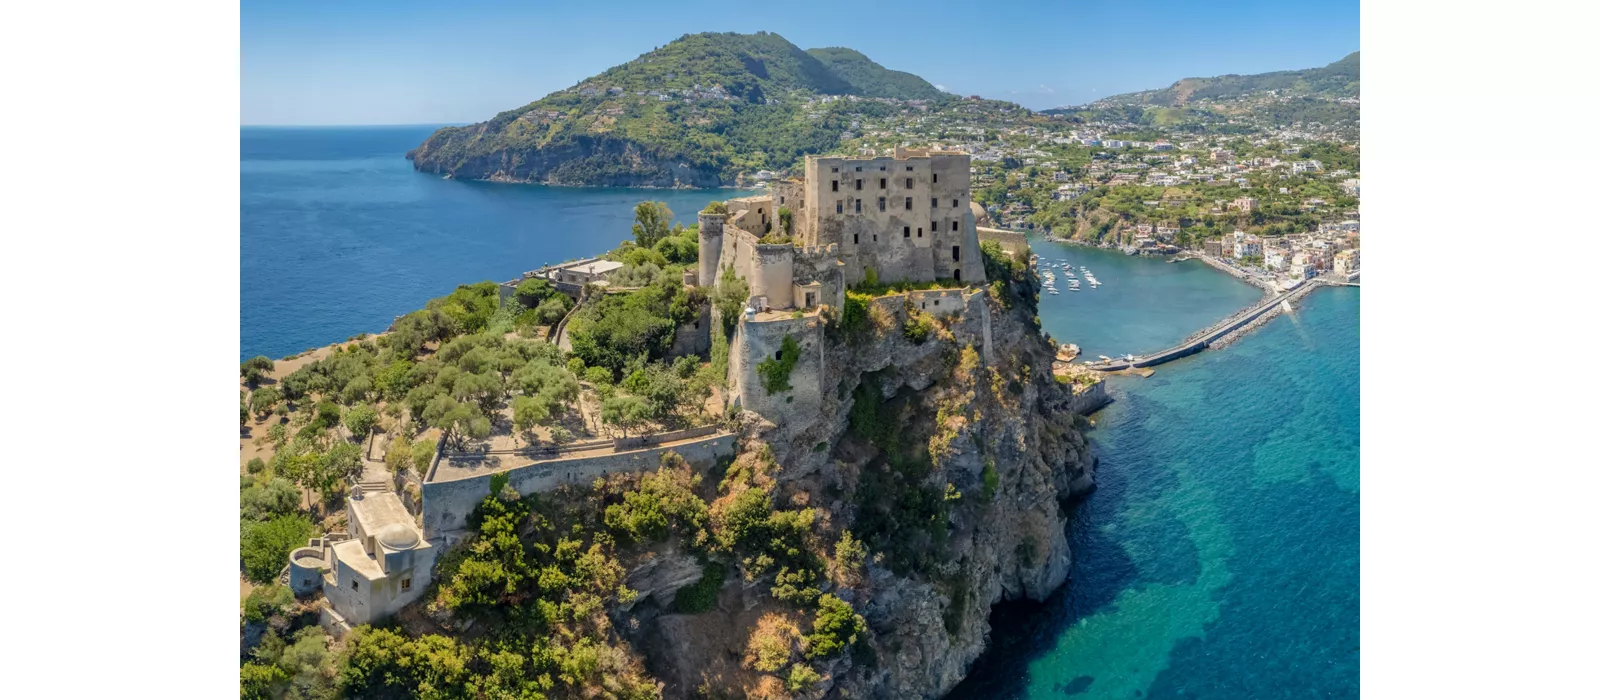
point(338, 235)
point(1142, 304)
point(1219, 557)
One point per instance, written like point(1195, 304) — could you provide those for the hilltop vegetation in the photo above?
point(1341, 78)
point(697, 112)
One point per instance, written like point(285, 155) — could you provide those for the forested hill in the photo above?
point(701, 111)
point(868, 78)
point(1341, 78)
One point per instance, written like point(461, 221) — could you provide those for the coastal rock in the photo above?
point(1006, 541)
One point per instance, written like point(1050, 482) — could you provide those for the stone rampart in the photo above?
point(1011, 241)
point(446, 504)
point(757, 341)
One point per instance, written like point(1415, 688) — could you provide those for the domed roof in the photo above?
point(398, 537)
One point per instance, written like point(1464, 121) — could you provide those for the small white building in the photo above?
point(370, 573)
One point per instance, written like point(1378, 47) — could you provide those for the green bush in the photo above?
point(775, 373)
point(835, 627)
point(991, 478)
point(266, 601)
point(265, 546)
point(918, 327)
point(701, 595)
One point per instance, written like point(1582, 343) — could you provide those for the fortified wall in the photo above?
point(450, 494)
point(759, 339)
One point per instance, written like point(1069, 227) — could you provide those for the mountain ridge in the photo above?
point(700, 111)
point(1341, 78)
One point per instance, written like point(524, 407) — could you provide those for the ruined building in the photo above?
point(902, 218)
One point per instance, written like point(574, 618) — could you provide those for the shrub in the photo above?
point(264, 400)
point(265, 546)
point(266, 601)
point(701, 595)
point(361, 420)
point(255, 466)
point(835, 627)
point(422, 454)
point(775, 373)
point(801, 676)
point(918, 327)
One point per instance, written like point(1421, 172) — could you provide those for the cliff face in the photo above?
point(593, 160)
point(991, 431)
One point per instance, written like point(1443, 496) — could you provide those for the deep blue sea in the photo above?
point(1219, 557)
point(338, 235)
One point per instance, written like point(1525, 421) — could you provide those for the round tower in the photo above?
point(710, 247)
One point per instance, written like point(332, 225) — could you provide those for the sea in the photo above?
point(338, 234)
point(1219, 556)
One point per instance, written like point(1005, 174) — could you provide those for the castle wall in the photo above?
point(693, 338)
point(773, 274)
point(937, 302)
point(761, 340)
point(446, 504)
point(791, 194)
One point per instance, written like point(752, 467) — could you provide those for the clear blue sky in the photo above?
point(408, 62)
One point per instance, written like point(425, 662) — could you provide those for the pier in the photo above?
point(1205, 338)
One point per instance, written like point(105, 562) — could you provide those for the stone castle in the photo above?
point(900, 218)
point(906, 217)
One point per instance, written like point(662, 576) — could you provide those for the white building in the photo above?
point(379, 567)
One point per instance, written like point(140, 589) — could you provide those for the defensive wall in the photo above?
point(1011, 241)
point(759, 339)
point(447, 503)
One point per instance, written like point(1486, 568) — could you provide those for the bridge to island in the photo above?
point(1204, 338)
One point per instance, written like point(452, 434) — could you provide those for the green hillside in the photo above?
point(697, 112)
point(868, 78)
point(1341, 78)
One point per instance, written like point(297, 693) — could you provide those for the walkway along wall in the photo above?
point(446, 504)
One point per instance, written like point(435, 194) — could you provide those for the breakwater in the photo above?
point(1217, 335)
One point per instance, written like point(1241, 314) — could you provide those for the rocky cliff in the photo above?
point(986, 432)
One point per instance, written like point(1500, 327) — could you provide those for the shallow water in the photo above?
point(1142, 304)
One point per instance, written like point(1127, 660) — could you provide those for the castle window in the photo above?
point(355, 585)
point(883, 167)
point(935, 302)
point(883, 183)
point(874, 238)
point(836, 170)
point(919, 232)
point(955, 254)
point(934, 226)
point(858, 168)
point(908, 232)
point(405, 584)
point(856, 238)
point(835, 185)
point(883, 204)
point(780, 199)
point(936, 180)
point(935, 203)
point(858, 184)
point(955, 226)
point(955, 203)
point(958, 274)
point(838, 206)
point(908, 204)
point(908, 168)
point(910, 183)
point(858, 206)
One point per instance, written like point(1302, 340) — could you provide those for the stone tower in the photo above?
point(710, 247)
